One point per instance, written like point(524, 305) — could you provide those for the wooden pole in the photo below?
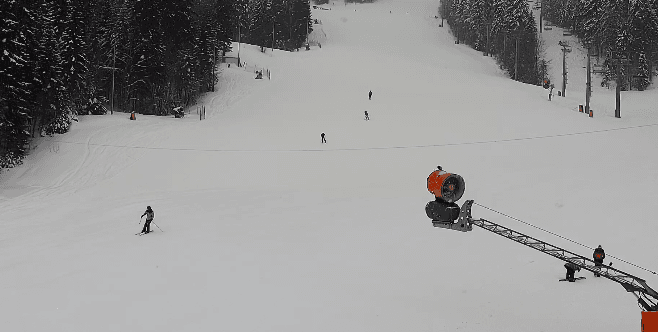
point(114, 57)
point(516, 60)
point(588, 88)
point(618, 90)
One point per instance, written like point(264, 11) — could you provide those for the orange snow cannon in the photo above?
point(447, 189)
point(649, 321)
point(445, 186)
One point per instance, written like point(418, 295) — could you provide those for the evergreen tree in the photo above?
point(302, 22)
point(14, 82)
point(643, 73)
point(74, 50)
point(261, 23)
point(148, 73)
point(47, 88)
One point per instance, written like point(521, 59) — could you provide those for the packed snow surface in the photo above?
point(268, 229)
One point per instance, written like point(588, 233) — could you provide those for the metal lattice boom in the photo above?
point(631, 283)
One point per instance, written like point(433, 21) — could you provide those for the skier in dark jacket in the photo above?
point(598, 255)
point(571, 270)
point(323, 140)
point(149, 217)
point(370, 95)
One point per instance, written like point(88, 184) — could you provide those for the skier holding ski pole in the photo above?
point(149, 218)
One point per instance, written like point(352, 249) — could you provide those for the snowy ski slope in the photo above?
point(267, 229)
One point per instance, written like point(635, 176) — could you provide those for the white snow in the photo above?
point(267, 229)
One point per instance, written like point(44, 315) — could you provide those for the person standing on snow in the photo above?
point(367, 117)
point(370, 95)
point(571, 270)
point(598, 255)
point(323, 140)
point(149, 218)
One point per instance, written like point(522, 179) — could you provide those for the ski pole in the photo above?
point(156, 225)
point(140, 220)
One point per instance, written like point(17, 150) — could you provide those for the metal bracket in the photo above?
point(464, 222)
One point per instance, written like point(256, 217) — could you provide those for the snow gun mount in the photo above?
point(445, 213)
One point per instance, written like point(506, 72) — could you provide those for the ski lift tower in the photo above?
point(566, 48)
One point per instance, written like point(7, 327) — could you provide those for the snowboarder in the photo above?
point(598, 255)
point(571, 270)
point(323, 140)
point(367, 117)
point(149, 218)
point(370, 95)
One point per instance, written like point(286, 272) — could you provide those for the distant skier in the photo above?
point(550, 93)
point(323, 140)
point(367, 117)
point(598, 255)
point(149, 218)
point(571, 270)
point(370, 95)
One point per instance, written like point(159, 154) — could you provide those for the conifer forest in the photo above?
point(61, 58)
point(624, 32)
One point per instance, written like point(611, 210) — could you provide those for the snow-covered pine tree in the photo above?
point(14, 78)
point(73, 33)
point(588, 24)
point(644, 35)
point(261, 23)
point(48, 88)
point(148, 74)
point(181, 81)
point(302, 22)
point(642, 82)
point(225, 13)
point(481, 13)
point(512, 21)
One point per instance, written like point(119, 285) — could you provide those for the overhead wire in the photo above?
point(560, 236)
point(366, 148)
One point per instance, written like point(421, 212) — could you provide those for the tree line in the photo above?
point(59, 58)
point(505, 29)
point(624, 32)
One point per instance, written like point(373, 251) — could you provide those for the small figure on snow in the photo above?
point(550, 93)
point(149, 218)
point(367, 117)
point(598, 255)
point(323, 140)
point(370, 95)
point(571, 270)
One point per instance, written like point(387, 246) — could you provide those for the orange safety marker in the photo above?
point(649, 321)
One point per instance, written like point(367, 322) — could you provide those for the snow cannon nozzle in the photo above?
point(445, 186)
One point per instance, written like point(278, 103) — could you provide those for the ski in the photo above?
point(573, 279)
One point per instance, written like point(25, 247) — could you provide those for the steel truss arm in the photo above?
point(631, 283)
